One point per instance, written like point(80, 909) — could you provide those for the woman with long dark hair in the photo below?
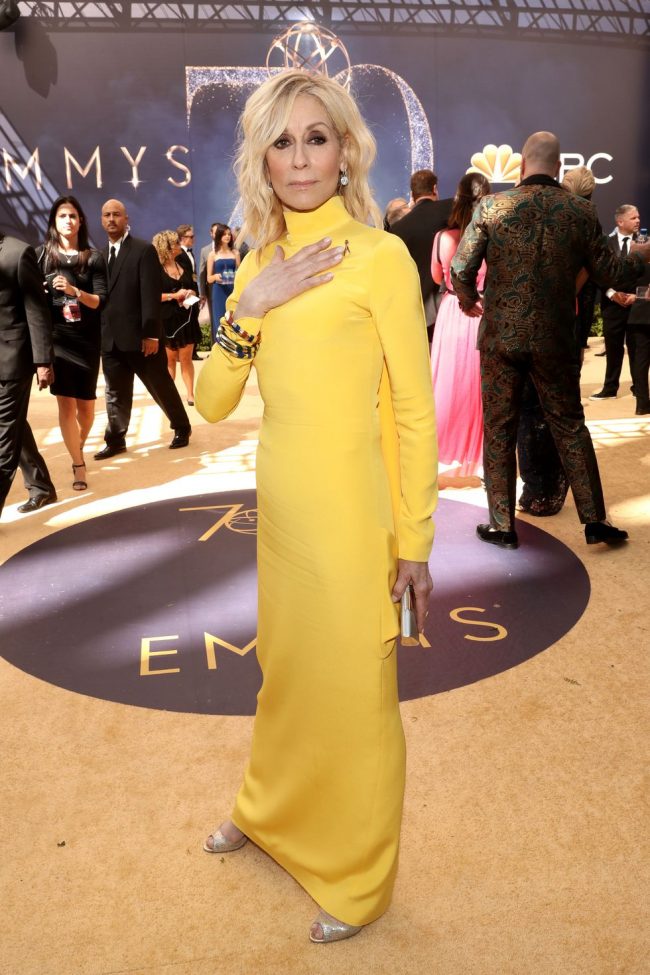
point(222, 264)
point(455, 361)
point(75, 275)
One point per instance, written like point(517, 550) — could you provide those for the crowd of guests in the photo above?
point(78, 282)
point(432, 229)
point(132, 306)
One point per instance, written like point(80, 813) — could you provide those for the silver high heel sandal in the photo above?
point(332, 929)
point(221, 845)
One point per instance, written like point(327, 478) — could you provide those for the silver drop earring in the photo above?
point(344, 178)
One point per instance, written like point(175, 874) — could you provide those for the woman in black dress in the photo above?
point(176, 286)
point(75, 276)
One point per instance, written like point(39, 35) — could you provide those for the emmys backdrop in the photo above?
point(148, 113)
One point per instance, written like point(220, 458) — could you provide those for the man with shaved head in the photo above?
point(541, 152)
point(132, 334)
point(535, 238)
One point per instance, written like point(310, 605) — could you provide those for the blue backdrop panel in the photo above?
point(88, 99)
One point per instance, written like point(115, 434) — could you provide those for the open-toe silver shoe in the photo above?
point(221, 845)
point(332, 929)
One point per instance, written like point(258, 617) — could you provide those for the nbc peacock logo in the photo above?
point(499, 163)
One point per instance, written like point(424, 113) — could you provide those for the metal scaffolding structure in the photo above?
point(587, 20)
point(25, 201)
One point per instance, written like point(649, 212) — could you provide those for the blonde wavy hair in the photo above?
point(580, 181)
point(164, 242)
point(264, 119)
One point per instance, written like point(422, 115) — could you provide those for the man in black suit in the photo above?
point(36, 476)
point(132, 334)
point(185, 233)
point(638, 342)
point(418, 228)
point(615, 305)
point(187, 260)
point(25, 347)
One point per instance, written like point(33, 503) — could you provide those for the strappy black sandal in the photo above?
point(78, 484)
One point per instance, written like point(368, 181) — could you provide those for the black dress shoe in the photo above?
point(603, 395)
point(181, 439)
point(495, 537)
point(33, 504)
point(602, 531)
point(109, 451)
point(642, 410)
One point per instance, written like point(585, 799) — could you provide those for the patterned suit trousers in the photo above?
point(503, 375)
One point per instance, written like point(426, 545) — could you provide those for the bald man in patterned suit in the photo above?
point(535, 238)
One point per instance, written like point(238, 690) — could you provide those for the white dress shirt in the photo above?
point(621, 238)
point(117, 244)
point(190, 255)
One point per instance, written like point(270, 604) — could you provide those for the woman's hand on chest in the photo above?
point(286, 277)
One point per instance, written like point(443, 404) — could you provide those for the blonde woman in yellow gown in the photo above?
point(329, 311)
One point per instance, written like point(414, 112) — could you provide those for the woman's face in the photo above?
point(305, 161)
point(176, 249)
point(66, 221)
point(226, 238)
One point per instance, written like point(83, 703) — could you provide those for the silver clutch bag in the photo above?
point(409, 626)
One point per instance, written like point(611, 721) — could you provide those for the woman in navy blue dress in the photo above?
point(223, 261)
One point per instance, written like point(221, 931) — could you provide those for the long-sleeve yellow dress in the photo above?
point(346, 483)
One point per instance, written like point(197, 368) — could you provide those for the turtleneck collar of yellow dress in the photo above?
point(306, 227)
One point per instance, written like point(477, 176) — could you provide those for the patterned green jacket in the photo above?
point(535, 239)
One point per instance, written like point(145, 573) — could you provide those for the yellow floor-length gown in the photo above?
point(346, 482)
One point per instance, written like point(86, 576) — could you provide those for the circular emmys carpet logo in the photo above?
point(156, 606)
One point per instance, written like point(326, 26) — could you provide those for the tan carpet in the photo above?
point(524, 847)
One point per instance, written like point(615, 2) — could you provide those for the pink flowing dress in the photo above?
point(456, 370)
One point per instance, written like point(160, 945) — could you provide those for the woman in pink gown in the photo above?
point(454, 357)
